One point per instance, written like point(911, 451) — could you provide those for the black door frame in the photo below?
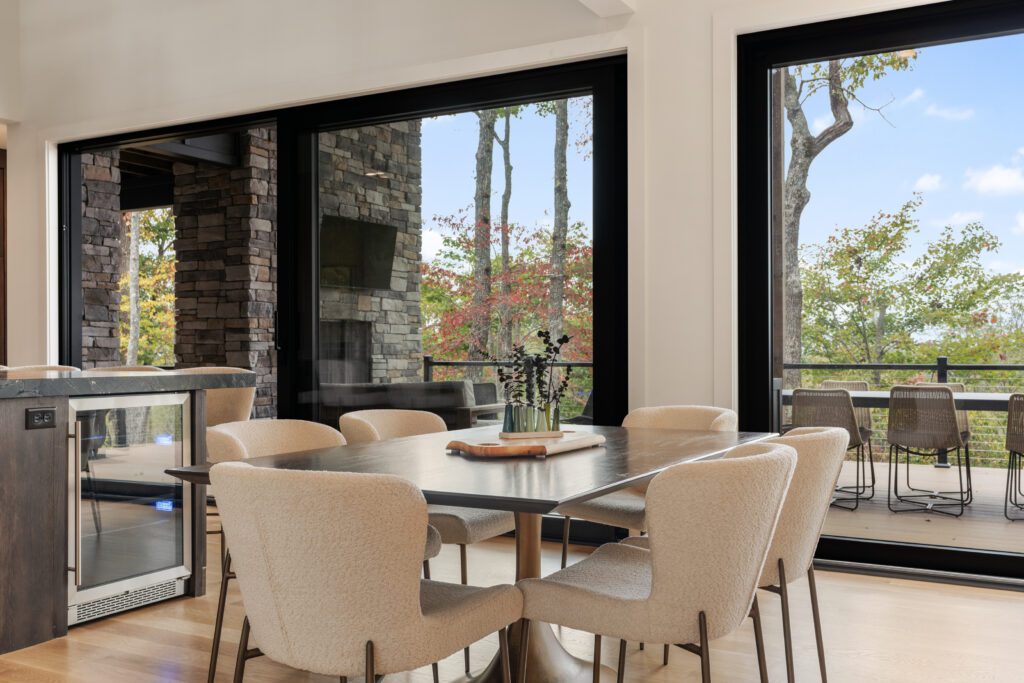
point(757, 55)
point(297, 328)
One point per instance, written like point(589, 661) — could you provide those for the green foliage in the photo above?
point(854, 72)
point(156, 290)
point(867, 301)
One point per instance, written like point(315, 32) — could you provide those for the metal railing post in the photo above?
point(428, 368)
point(942, 377)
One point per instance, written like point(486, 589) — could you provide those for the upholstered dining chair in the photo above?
point(370, 612)
point(232, 404)
point(625, 508)
point(458, 526)
point(924, 421)
point(233, 441)
point(710, 527)
point(125, 368)
point(41, 368)
point(834, 408)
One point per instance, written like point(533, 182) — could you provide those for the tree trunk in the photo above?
point(505, 287)
point(481, 321)
point(132, 356)
point(804, 148)
point(560, 226)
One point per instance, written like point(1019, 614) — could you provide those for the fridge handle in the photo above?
point(75, 470)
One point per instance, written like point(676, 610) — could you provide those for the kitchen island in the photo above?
point(88, 523)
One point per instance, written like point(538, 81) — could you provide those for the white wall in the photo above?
point(10, 64)
point(114, 65)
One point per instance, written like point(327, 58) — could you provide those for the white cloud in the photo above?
point(915, 96)
point(949, 113)
point(432, 243)
point(997, 180)
point(1018, 228)
point(964, 217)
point(929, 182)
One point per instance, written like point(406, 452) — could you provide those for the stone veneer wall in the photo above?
point(101, 259)
point(392, 195)
point(226, 244)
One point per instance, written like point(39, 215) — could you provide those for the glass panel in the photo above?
point(444, 242)
point(898, 180)
point(131, 512)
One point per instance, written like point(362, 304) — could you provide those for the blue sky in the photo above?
point(956, 136)
point(449, 170)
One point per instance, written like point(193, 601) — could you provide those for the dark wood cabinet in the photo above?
point(33, 524)
point(3, 257)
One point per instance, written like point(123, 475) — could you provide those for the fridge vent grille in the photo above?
point(126, 601)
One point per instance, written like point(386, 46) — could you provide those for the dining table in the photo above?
point(529, 487)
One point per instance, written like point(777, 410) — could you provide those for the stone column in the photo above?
point(101, 259)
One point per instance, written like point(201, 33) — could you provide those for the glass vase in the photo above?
point(556, 421)
point(509, 425)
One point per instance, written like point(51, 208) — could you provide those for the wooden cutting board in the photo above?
point(483, 447)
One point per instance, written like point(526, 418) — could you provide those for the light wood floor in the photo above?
point(876, 629)
point(982, 525)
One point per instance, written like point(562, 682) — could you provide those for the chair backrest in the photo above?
point(863, 414)
point(321, 568)
point(697, 418)
point(820, 453)
point(363, 426)
point(42, 368)
point(1015, 424)
point(710, 526)
point(826, 408)
point(256, 438)
point(923, 416)
point(963, 423)
point(124, 368)
point(225, 405)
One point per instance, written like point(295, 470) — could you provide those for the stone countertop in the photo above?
point(29, 383)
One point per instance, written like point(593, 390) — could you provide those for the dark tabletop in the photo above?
point(536, 485)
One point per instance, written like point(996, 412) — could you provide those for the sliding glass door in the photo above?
point(892, 187)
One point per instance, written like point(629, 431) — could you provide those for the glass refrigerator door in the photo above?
point(129, 521)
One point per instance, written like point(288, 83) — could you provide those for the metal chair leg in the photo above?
point(243, 646)
point(664, 657)
point(787, 631)
point(218, 626)
point(762, 663)
point(817, 623)
point(437, 675)
point(426, 569)
point(524, 646)
point(621, 671)
point(565, 541)
point(465, 581)
point(371, 670)
point(705, 649)
point(506, 673)
point(597, 659)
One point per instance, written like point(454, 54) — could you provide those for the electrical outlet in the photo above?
point(40, 418)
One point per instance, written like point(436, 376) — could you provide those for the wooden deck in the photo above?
point(981, 527)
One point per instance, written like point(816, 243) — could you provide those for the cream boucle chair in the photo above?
point(459, 526)
point(41, 368)
point(626, 508)
point(332, 586)
point(711, 525)
point(225, 405)
point(124, 368)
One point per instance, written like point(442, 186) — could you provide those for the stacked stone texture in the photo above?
point(374, 174)
point(101, 259)
point(226, 276)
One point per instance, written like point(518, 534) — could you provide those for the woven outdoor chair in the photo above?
point(958, 388)
point(833, 407)
point(864, 423)
point(1015, 445)
point(923, 422)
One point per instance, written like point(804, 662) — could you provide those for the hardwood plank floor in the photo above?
point(876, 629)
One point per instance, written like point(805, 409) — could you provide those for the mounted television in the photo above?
point(356, 254)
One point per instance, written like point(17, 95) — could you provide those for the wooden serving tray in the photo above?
point(483, 447)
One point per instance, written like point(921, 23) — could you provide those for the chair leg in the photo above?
point(524, 645)
point(762, 663)
point(371, 669)
point(426, 569)
point(597, 659)
point(565, 541)
point(465, 581)
point(506, 673)
point(621, 672)
point(664, 656)
point(218, 625)
point(705, 650)
point(434, 671)
point(817, 623)
point(787, 630)
point(243, 646)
